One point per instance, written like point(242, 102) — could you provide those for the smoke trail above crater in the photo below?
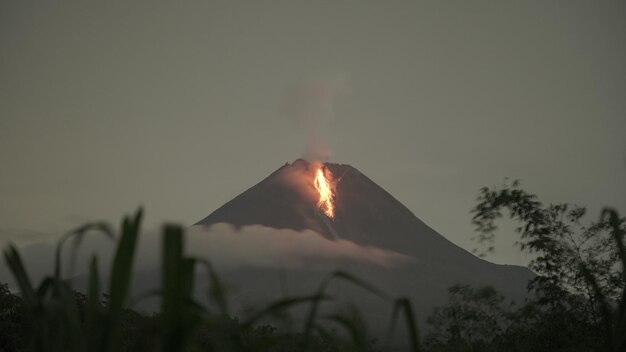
point(309, 102)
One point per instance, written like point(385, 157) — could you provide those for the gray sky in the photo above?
point(178, 107)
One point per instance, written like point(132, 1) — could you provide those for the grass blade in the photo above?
point(280, 306)
point(181, 314)
point(355, 327)
point(172, 268)
point(123, 260)
point(217, 293)
point(78, 234)
point(93, 310)
point(14, 261)
point(120, 278)
point(404, 305)
point(310, 321)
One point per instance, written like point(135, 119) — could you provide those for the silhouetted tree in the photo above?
point(581, 266)
point(481, 320)
point(471, 321)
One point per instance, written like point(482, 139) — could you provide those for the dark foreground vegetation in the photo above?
point(53, 317)
point(140, 332)
point(578, 297)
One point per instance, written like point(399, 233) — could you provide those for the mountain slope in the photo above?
point(365, 214)
point(369, 216)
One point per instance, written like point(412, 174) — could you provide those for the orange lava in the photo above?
point(324, 186)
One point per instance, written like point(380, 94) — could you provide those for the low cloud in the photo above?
point(268, 247)
point(224, 245)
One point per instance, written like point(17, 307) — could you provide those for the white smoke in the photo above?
point(261, 246)
point(310, 103)
point(222, 244)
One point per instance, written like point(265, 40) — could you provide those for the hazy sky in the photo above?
point(104, 107)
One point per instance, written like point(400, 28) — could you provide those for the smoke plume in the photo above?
point(310, 103)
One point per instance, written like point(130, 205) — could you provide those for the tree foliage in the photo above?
point(579, 296)
point(480, 319)
point(472, 320)
point(560, 239)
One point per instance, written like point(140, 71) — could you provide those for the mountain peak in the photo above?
point(368, 216)
point(365, 213)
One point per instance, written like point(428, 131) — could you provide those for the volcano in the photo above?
point(367, 215)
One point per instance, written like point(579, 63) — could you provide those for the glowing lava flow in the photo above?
point(325, 189)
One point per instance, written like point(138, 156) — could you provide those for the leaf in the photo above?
point(217, 293)
point(280, 306)
point(93, 311)
point(14, 261)
point(355, 327)
point(121, 271)
point(123, 260)
point(78, 234)
point(404, 305)
point(308, 328)
point(180, 312)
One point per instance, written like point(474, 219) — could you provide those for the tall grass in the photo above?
point(58, 325)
